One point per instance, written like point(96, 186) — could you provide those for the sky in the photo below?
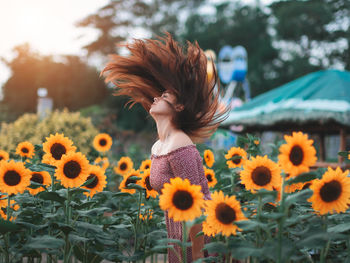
point(49, 27)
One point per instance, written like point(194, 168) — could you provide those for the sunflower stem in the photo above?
point(66, 248)
point(259, 219)
point(184, 240)
point(324, 250)
point(280, 224)
point(7, 235)
point(138, 220)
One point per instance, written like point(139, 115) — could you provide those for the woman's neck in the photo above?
point(165, 129)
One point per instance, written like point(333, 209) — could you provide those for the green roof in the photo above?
point(321, 97)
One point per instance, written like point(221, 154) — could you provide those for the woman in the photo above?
point(172, 85)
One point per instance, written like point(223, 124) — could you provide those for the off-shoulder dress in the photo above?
point(184, 162)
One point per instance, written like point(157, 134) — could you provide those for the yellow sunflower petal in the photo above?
point(236, 157)
point(210, 175)
point(25, 149)
point(72, 170)
point(4, 156)
point(298, 154)
point(127, 180)
point(222, 211)
point(55, 147)
point(331, 193)
point(14, 177)
point(41, 177)
point(182, 200)
point(99, 182)
point(124, 165)
point(259, 173)
point(209, 158)
point(102, 142)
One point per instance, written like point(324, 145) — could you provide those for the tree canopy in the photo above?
point(70, 82)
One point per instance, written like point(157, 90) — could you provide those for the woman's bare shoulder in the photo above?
point(180, 139)
point(155, 147)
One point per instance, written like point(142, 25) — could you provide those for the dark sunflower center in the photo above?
point(130, 181)
point(307, 185)
point(103, 142)
point(225, 213)
point(148, 184)
point(236, 160)
point(182, 200)
point(25, 150)
point(71, 169)
point(38, 178)
point(147, 166)
point(330, 191)
point(209, 178)
point(261, 175)
point(296, 155)
point(12, 178)
point(1, 157)
point(57, 150)
point(123, 166)
point(93, 183)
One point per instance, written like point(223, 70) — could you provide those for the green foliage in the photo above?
point(154, 17)
point(30, 128)
point(237, 24)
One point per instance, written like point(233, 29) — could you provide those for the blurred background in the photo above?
point(53, 51)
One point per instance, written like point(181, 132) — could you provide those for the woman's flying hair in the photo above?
point(154, 66)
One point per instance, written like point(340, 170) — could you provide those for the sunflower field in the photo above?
point(58, 204)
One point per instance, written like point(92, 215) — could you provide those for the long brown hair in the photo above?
point(154, 66)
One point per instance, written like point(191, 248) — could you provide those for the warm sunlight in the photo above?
point(33, 25)
point(48, 26)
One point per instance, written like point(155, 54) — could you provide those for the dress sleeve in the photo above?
point(188, 164)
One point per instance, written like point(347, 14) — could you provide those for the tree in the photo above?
point(118, 19)
point(237, 24)
point(71, 83)
point(311, 35)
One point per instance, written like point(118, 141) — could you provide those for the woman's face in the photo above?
point(163, 105)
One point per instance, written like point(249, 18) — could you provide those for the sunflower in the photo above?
point(209, 158)
point(3, 210)
point(145, 183)
point(3, 202)
point(102, 142)
point(182, 200)
point(4, 156)
point(147, 215)
point(25, 149)
point(124, 165)
point(72, 170)
point(236, 157)
point(14, 177)
point(298, 154)
point(222, 211)
point(99, 181)
point(126, 181)
point(102, 162)
point(146, 164)
point(42, 177)
point(261, 172)
point(55, 147)
point(210, 175)
point(331, 193)
point(208, 230)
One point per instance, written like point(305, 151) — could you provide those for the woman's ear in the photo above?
point(179, 107)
